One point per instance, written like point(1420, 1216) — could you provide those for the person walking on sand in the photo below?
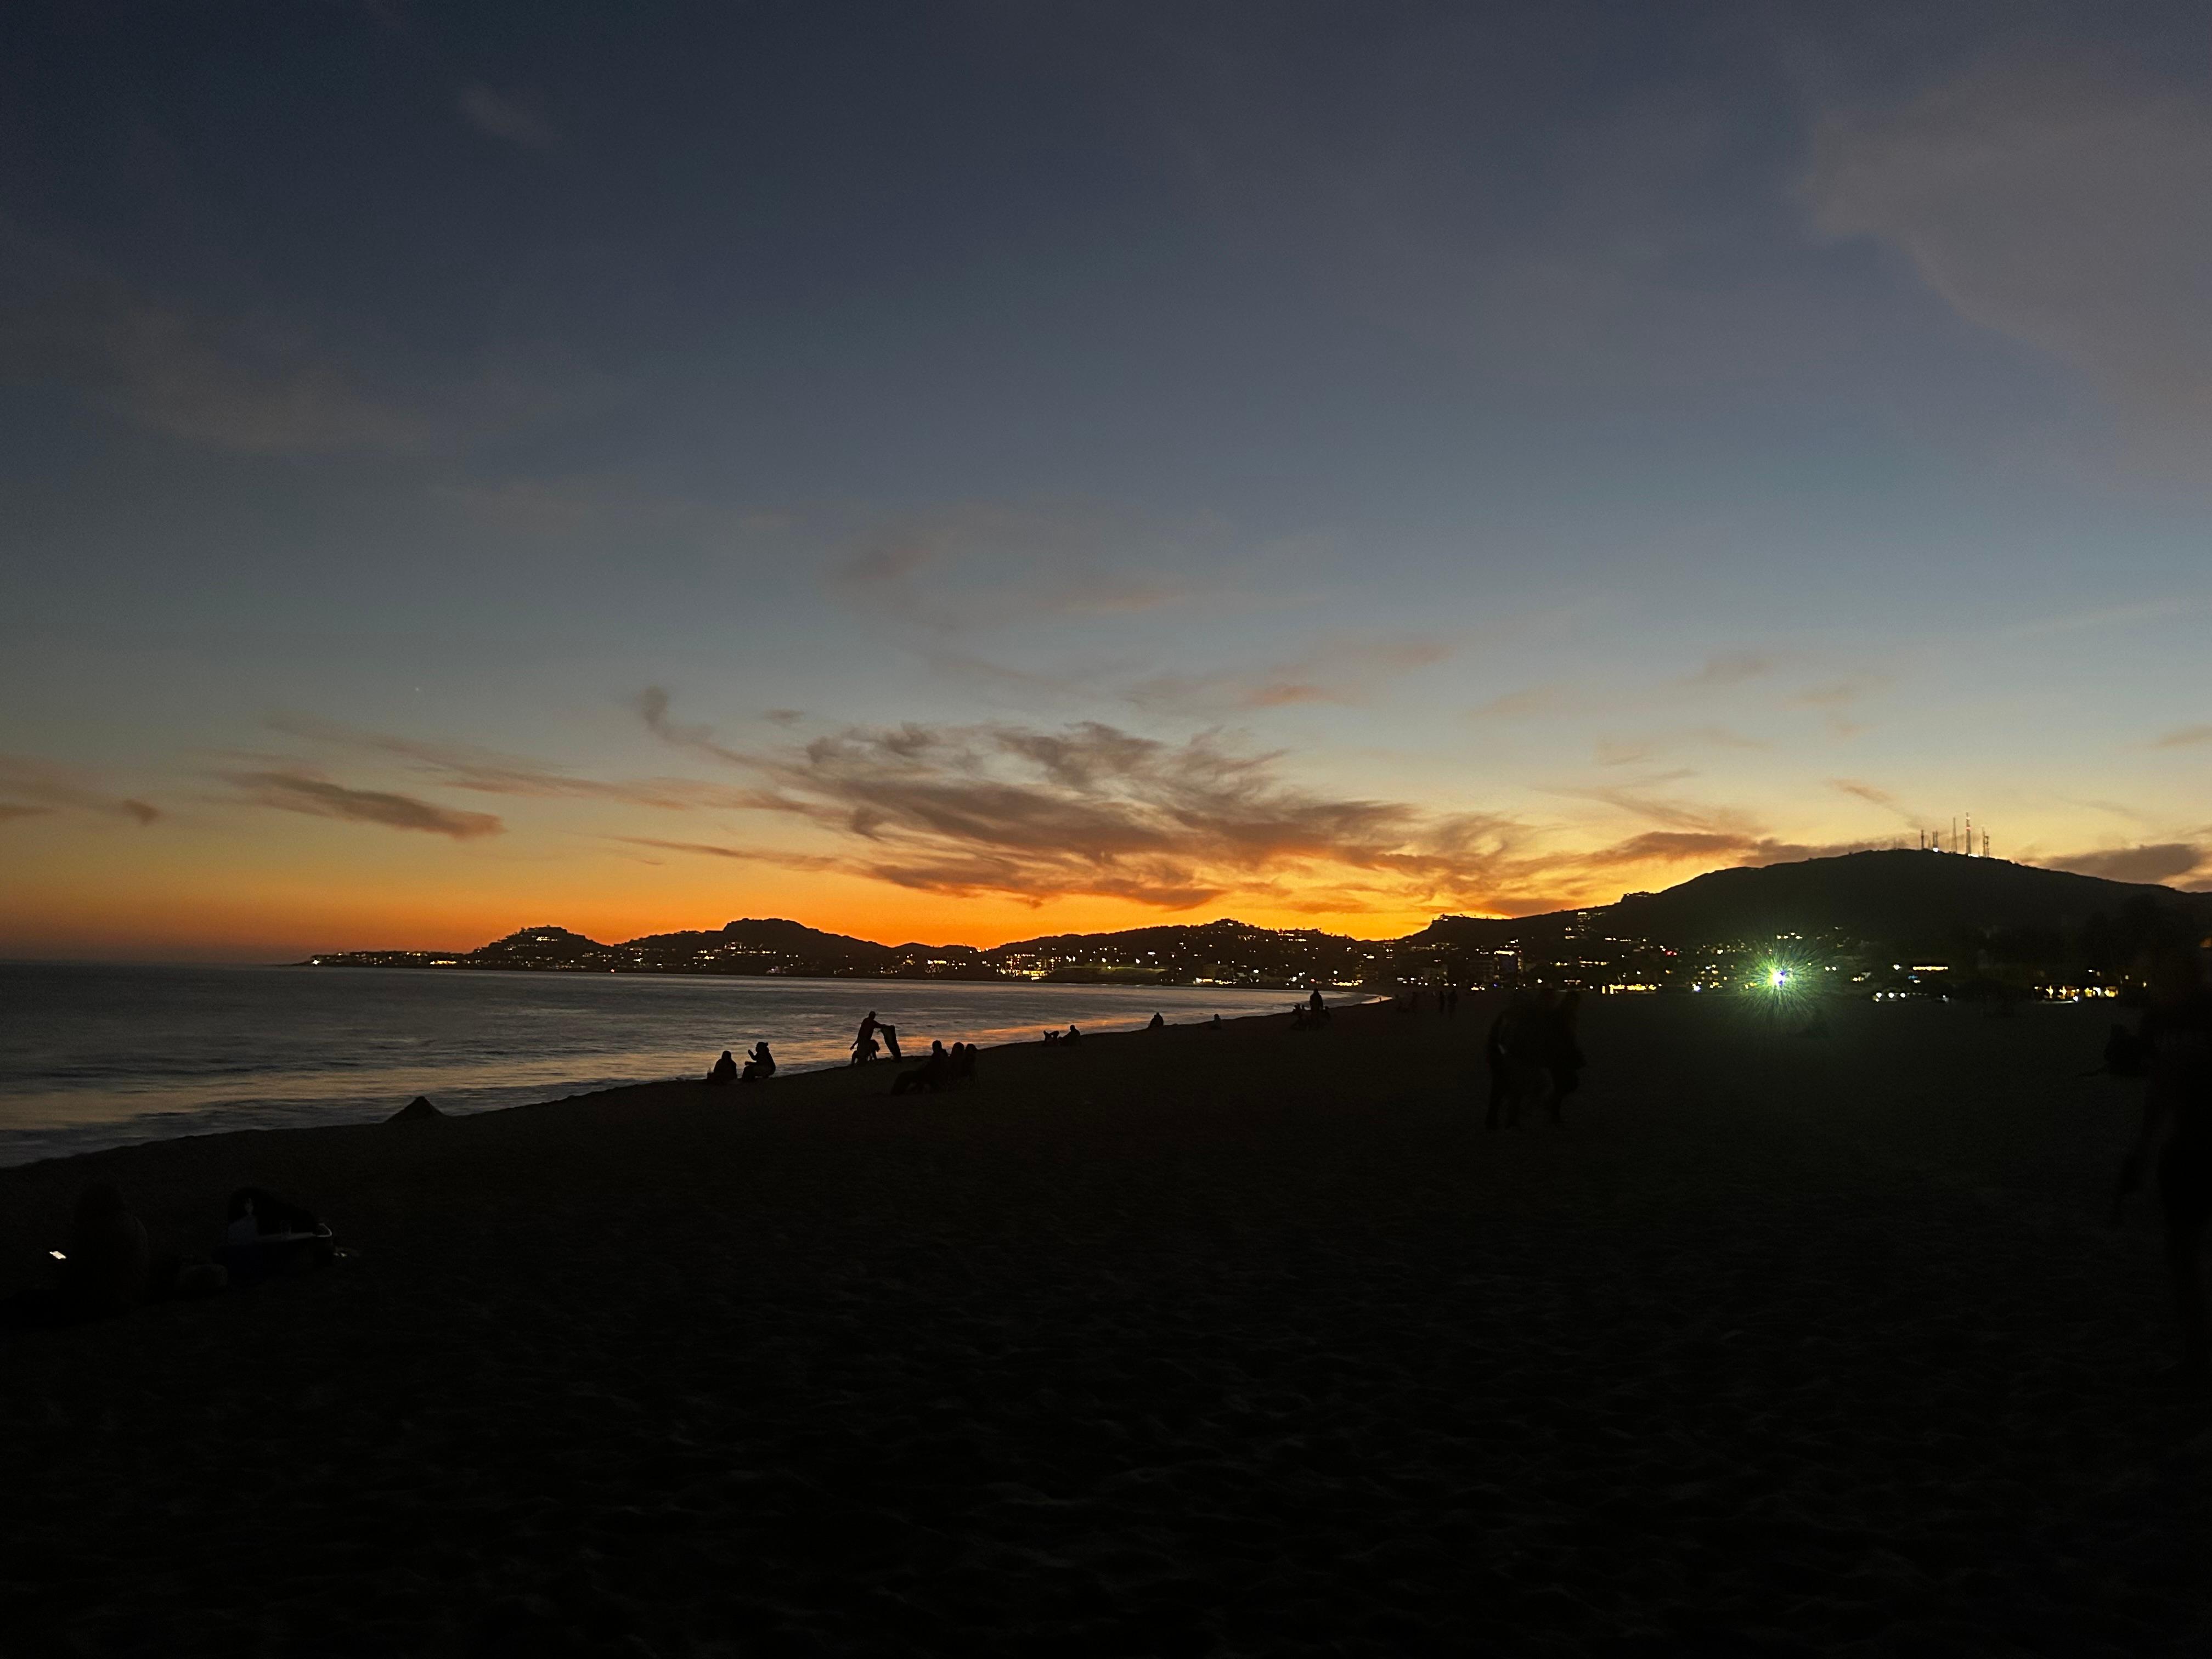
point(2176, 1045)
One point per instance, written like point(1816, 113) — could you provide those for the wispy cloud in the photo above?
point(490, 772)
point(1347, 670)
point(970, 565)
point(298, 791)
point(507, 117)
point(2157, 861)
point(1872, 795)
point(1626, 751)
point(1727, 668)
point(2058, 201)
point(254, 384)
point(1533, 700)
point(50, 784)
point(2185, 737)
point(1091, 809)
point(2108, 615)
point(788, 860)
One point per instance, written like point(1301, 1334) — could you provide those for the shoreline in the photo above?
point(355, 1050)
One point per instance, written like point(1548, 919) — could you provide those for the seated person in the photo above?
point(724, 1070)
point(963, 1062)
point(1072, 1037)
point(760, 1065)
point(1051, 1039)
point(933, 1074)
point(265, 1235)
point(1155, 1023)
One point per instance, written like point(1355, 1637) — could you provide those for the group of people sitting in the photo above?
point(1066, 1039)
point(760, 1066)
point(1309, 1014)
point(941, 1070)
point(109, 1264)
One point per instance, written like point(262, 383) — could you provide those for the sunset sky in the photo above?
point(961, 471)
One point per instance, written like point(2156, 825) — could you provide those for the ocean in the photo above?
point(94, 1056)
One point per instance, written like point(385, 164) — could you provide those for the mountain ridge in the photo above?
point(1979, 908)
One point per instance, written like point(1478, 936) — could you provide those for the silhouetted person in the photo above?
point(1217, 1022)
point(1315, 1006)
point(963, 1062)
point(724, 1070)
point(865, 1046)
point(1518, 1052)
point(1155, 1023)
point(105, 1269)
point(266, 1233)
point(1563, 1057)
point(760, 1065)
point(933, 1074)
point(2176, 1039)
point(1073, 1035)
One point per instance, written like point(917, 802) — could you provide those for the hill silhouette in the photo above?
point(1899, 895)
point(2018, 912)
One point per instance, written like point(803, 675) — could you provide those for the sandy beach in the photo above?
point(1236, 1340)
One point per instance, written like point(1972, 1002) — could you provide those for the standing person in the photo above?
point(2176, 1044)
point(1563, 1051)
point(1514, 1052)
point(1314, 1006)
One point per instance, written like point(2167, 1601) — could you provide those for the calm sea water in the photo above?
point(97, 1056)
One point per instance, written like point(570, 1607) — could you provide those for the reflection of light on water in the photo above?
point(101, 1056)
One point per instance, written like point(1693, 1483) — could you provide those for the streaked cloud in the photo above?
point(2156, 861)
point(490, 772)
point(1347, 670)
point(2185, 738)
point(1872, 795)
point(970, 565)
point(249, 382)
point(1727, 668)
point(298, 792)
point(50, 783)
point(747, 855)
point(1091, 810)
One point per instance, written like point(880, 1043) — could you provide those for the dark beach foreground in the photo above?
point(1240, 1340)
